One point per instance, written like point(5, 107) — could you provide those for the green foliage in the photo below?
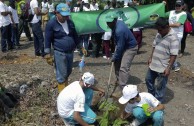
point(119, 122)
point(110, 110)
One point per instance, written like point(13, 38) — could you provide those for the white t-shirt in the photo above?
point(107, 35)
point(4, 20)
point(85, 8)
point(14, 15)
point(145, 98)
point(71, 98)
point(173, 18)
point(33, 5)
point(94, 7)
point(44, 6)
point(51, 7)
point(65, 27)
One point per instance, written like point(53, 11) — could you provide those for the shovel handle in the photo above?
point(108, 86)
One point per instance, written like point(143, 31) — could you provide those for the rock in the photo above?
point(35, 77)
point(54, 114)
point(23, 88)
point(44, 84)
point(182, 121)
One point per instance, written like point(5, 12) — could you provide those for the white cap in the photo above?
point(129, 92)
point(88, 78)
point(85, 1)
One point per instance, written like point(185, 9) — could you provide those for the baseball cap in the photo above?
point(110, 16)
point(88, 78)
point(129, 92)
point(180, 2)
point(63, 9)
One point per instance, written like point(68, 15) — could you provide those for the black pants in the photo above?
point(23, 25)
point(183, 42)
point(96, 44)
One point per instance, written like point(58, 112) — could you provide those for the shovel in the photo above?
point(108, 86)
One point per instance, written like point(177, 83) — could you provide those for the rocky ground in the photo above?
point(37, 104)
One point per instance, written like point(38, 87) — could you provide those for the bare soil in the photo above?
point(37, 106)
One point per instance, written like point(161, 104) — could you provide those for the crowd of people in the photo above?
point(120, 47)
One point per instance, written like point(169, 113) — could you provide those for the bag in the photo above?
point(188, 26)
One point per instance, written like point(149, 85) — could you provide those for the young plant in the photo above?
point(109, 111)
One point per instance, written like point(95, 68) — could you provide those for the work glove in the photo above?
point(84, 51)
point(49, 59)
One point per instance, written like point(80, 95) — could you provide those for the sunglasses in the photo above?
point(177, 5)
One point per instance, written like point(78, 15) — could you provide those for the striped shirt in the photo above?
point(164, 48)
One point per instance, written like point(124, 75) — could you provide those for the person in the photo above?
point(61, 33)
point(137, 32)
point(85, 37)
point(22, 10)
point(78, 6)
point(106, 38)
point(125, 47)
point(177, 18)
point(96, 37)
point(183, 41)
point(36, 28)
point(45, 18)
point(108, 5)
point(164, 53)
point(51, 9)
point(74, 101)
point(14, 27)
point(5, 25)
point(135, 106)
point(192, 12)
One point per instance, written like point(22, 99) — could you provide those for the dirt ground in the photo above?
point(38, 104)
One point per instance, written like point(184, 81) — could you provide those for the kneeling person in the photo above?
point(74, 101)
point(135, 101)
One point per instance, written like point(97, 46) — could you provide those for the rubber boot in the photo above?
point(61, 86)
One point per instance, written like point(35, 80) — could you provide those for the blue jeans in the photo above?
point(88, 115)
point(38, 38)
point(157, 116)
point(63, 65)
point(15, 35)
point(157, 90)
point(6, 38)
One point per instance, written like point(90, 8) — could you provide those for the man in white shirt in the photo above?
point(135, 102)
point(73, 102)
point(36, 28)
point(177, 19)
point(5, 26)
point(94, 6)
point(14, 27)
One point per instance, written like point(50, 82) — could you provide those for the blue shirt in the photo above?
point(124, 39)
point(57, 37)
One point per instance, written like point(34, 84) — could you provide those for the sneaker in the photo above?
point(105, 57)
point(76, 51)
point(176, 69)
point(180, 55)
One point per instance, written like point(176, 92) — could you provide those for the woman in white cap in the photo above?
point(74, 101)
point(135, 106)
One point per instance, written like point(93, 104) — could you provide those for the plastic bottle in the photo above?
point(81, 64)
